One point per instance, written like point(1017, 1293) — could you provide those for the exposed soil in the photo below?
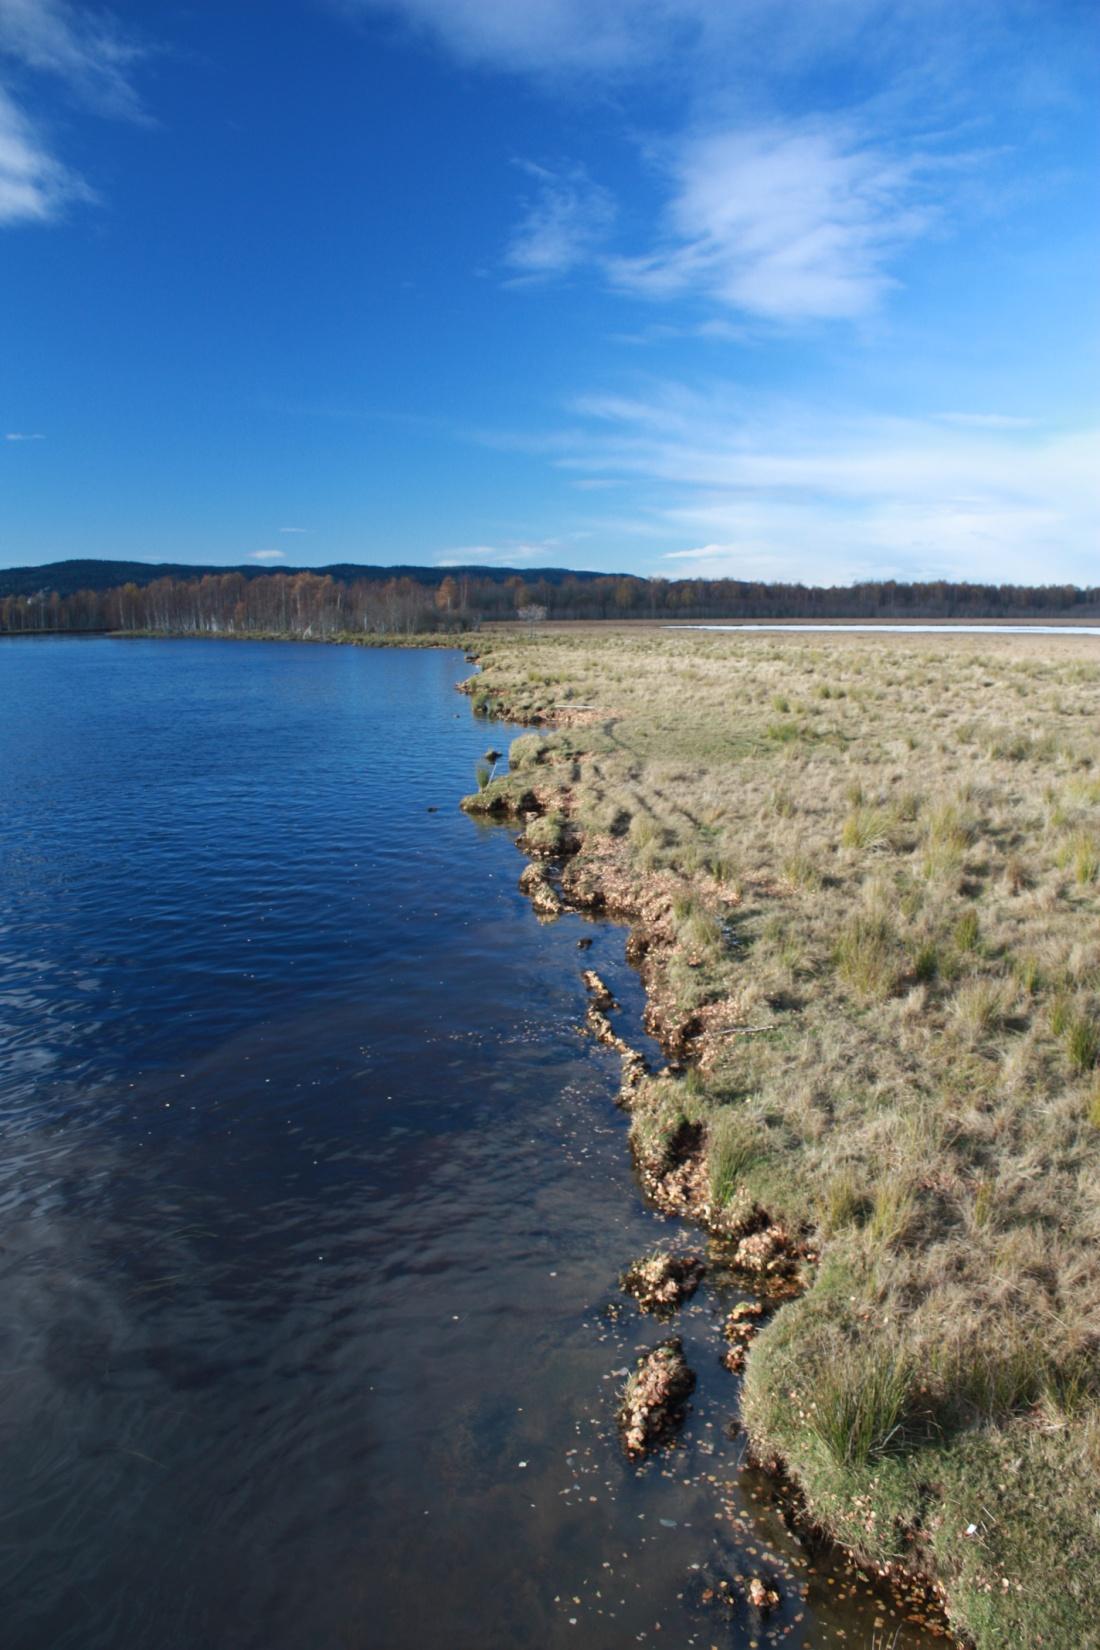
point(661, 1282)
point(655, 1398)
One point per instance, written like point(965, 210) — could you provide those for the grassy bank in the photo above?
point(864, 875)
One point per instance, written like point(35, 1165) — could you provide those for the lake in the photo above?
point(313, 1199)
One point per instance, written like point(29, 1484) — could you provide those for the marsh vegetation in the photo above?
point(868, 875)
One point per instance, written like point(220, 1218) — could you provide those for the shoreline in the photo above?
point(1017, 1574)
point(952, 1448)
point(751, 1245)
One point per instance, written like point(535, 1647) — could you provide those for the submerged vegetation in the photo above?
point(862, 877)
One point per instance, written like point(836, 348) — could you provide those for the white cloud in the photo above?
point(813, 493)
point(548, 551)
point(562, 224)
point(92, 60)
point(737, 44)
point(541, 36)
point(766, 217)
point(34, 186)
point(761, 559)
point(986, 421)
point(788, 221)
point(21, 435)
point(267, 555)
point(81, 47)
point(295, 529)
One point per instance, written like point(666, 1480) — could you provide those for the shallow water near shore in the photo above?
point(313, 1199)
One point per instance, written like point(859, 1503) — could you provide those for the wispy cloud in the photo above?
point(749, 50)
point(564, 221)
point(762, 559)
point(986, 420)
point(548, 551)
point(788, 221)
point(543, 36)
point(84, 48)
point(808, 491)
point(295, 529)
point(267, 555)
point(22, 435)
point(34, 185)
point(92, 60)
point(805, 149)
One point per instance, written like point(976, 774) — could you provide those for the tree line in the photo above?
point(313, 605)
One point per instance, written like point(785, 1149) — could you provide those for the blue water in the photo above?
point(313, 1199)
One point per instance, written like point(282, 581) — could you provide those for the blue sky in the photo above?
point(756, 288)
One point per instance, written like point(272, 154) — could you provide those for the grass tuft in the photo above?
point(859, 1407)
point(866, 956)
point(733, 1149)
point(1082, 1040)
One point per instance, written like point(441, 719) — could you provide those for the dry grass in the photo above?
point(888, 850)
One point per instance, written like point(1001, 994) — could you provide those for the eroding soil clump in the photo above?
point(660, 1282)
point(598, 991)
point(773, 1259)
point(741, 1328)
point(597, 1024)
point(537, 885)
point(655, 1398)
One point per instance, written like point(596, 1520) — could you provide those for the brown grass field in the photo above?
point(868, 868)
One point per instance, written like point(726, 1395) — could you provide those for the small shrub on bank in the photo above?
point(700, 932)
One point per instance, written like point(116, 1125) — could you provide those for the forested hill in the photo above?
point(65, 578)
point(351, 600)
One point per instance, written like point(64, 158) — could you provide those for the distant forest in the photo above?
point(403, 601)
